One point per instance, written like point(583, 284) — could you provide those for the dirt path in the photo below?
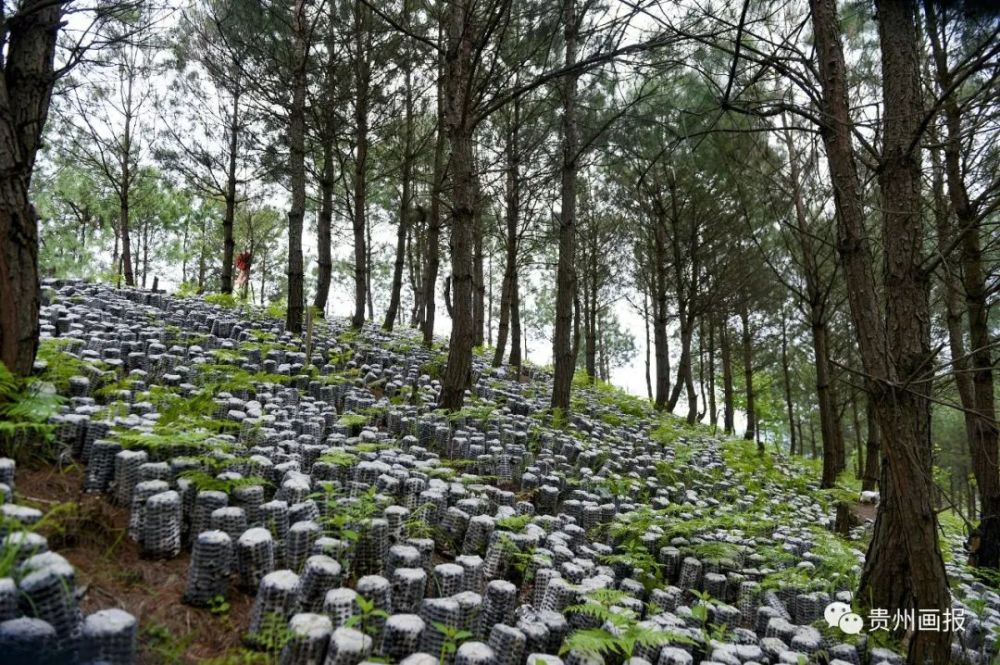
point(92, 535)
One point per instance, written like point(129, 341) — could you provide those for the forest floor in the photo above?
point(93, 535)
point(684, 501)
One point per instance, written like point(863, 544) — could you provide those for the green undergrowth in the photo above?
point(621, 632)
point(26, 405)
point(60, 365)
point(205, 481)
point(186, 425)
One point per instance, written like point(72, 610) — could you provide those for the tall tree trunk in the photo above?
point(512, 222)
point(747, 347)
point(489, 297)
point(324, 219)
point(904, 568)
point(32, 32)
point(459, 64)
point(829, 423)
point(125, 186)
point(19, 289)
point(692, 398)
point(660, 340)
point(984, 440)
point(263, 279)
point(504, 326)
point(123, 215)
point(184, 249)
point(433, 240)
point(713, 408)
point(701, 369)
point(114, 252)
point(728, 401)
point(830, 430)
point(228, 243)
point(297, 172)
point(859, 446)
point(786, 376)
point(603, 360)
point(590, 315)
point(873, 448)
point(478, 283)
point(202, 258)
point(414, 260)
point(144, 238)
point(562, 347)
point(577, 313)
point(362, 80)
point(514, 360)
point(645, 328)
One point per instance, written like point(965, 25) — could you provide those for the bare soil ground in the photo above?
point(92, 535)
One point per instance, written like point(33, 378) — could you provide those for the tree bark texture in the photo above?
point(562, 343)
point(458, 72)
point(297, 172)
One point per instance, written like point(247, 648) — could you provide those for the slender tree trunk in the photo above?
point(701, 369)
point(786, 375)
point(829, 423)
point(577, 313)
point(114, 252)
point(590, 319)
point(660, 339)
point(645, 329)
point(144, 237)
point(459, 64)
point(478, 283)
point(603, 360)
point(324, 219)
point(362, 80)
point(504, 326)
point(489, 297)
point(512, 221)
point(125, 186)
point(414, 258)
point(984, 439)
point(433, 239)
point(123, 212)
point(713, 408)
point(514, 360)
point(297, 172)
point(184, 249)
point(747, 347)
point(562, 348)
point(728, 401)
point(692, 397)
point(858, 443)
point(812, 438)
point(228, 243)
point(369, 300)
point(263, 279)
point(830, 430)
point(202, 259)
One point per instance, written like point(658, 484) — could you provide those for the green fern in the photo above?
point(26, 406)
